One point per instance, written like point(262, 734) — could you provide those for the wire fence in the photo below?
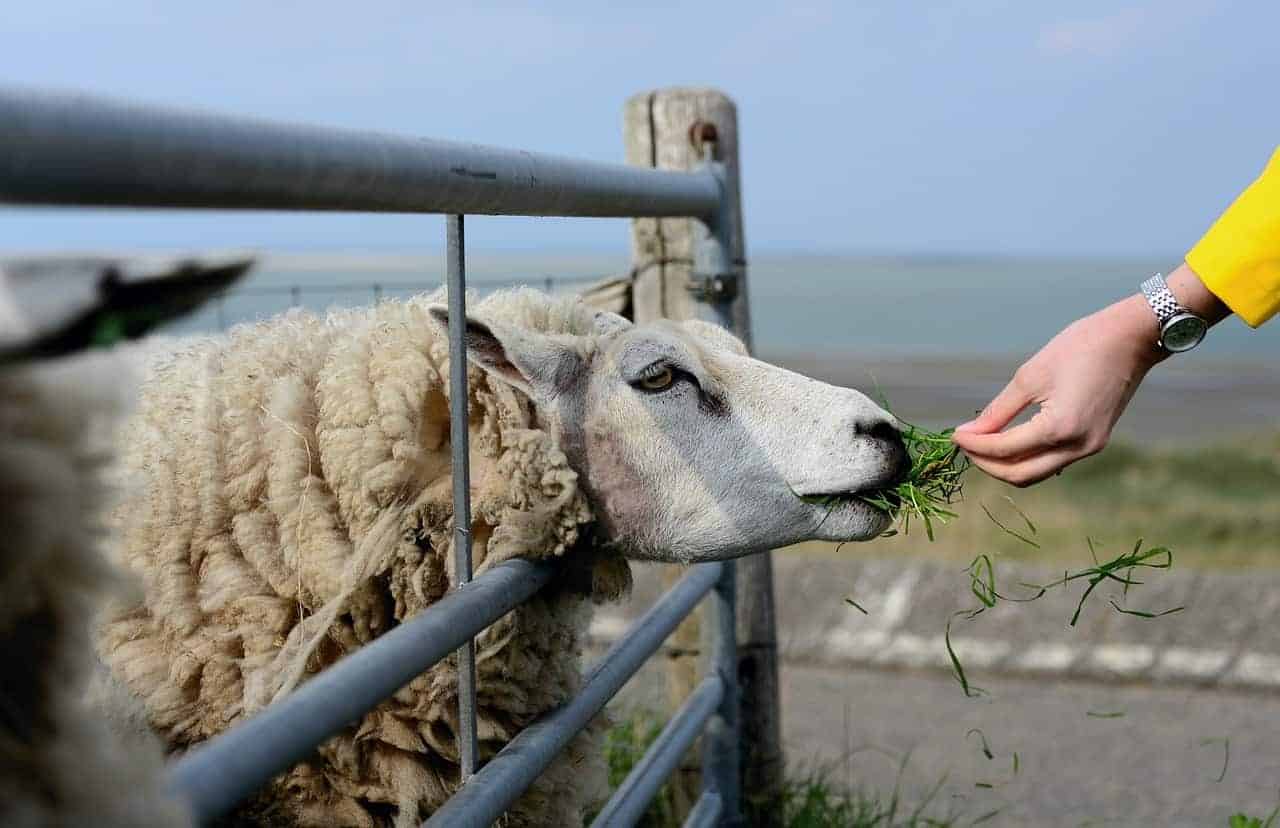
point(253, 302)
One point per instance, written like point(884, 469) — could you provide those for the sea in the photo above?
point(872, 307)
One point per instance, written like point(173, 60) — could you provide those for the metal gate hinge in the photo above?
point(717, 287)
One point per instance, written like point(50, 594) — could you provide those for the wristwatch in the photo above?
point(1180, 329)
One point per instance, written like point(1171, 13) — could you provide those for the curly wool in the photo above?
point(60, 763)
point(293, 502)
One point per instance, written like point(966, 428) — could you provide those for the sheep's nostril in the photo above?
point(884, 431)
point(901, 460)
point(896, 450)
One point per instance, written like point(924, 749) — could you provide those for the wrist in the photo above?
point(1192, 294)
point(1137, 327)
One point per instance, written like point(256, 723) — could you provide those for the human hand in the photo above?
point(1082, 381)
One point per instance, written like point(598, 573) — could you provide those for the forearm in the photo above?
point(1192, 294)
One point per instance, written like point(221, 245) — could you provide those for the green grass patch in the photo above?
point(811, 799)
point(1246, 821)
point(624, 745)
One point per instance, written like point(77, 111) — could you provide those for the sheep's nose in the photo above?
point(889, 440)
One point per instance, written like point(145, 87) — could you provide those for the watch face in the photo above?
point(1183, 332)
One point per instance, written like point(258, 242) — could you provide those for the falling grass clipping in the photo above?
point(1119, 571)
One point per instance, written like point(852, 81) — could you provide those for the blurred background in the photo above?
point(931, 191)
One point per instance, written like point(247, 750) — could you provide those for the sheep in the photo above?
point(60, 761)
point(293, 502)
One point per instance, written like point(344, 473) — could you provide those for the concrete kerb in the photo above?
point(1227, 635)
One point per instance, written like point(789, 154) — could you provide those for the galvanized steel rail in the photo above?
point(707, 811)
point(629, 802)
point(221, 772)
point(76, 150)
point(504, 777)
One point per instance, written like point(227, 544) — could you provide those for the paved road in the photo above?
point(1146, 768)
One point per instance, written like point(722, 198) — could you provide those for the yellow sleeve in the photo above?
point(1239, 258)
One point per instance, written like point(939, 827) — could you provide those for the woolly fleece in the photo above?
point(60, 763)
point(292, 501)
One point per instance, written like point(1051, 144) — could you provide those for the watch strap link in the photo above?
point(1161, 299)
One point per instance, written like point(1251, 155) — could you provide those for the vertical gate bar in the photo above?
point(458, 436)
point(680, 129)
point(720, 743)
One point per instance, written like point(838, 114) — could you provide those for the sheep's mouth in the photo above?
point(886, 500)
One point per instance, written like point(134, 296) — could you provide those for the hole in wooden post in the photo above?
point(703, 136)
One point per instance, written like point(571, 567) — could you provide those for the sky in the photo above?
point(919, 127)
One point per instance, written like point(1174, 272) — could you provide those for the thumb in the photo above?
point(998, 413)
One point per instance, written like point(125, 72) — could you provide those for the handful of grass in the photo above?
point(932, 485)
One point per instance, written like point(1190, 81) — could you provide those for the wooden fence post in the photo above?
point(665, 129)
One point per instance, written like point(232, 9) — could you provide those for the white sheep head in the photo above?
point(688, 448)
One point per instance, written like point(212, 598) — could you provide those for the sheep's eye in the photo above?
point(659, 380)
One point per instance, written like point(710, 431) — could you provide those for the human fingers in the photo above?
point(1031, 470)
point(1006, 405)
point(1031, 438)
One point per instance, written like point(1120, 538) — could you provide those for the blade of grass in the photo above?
point(1143, 614)
point(982, 584)
point(986, 748)
point(856, 606)
point(969, 690)
point(1226, 754)
point(1030, 526)
point(1028, 541)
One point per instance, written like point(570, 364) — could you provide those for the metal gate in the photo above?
point(67, 150)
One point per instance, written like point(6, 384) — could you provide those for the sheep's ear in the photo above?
point(608, 323)
point(537, 364)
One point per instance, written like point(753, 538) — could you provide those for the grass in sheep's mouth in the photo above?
point(930, 487)
point(926, 493)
